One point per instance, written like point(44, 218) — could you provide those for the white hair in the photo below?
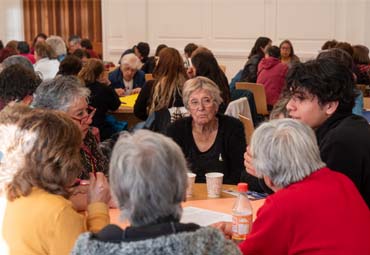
point(201, 82)
point(58, 44)
point(148, 177)
point(285, 150)
point(59, 93)
point(131, 60)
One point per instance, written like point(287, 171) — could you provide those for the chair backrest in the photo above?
point(223, 68)
point(149, 77)
point(259, 95)
point(367, 103)
point(239, 106)
point(248, 127)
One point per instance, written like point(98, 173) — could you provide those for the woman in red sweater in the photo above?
point(314, 210)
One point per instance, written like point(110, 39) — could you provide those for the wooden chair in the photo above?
point(367, 103)
point(259, 95)
point(223, 68)
point(248, 127)
point(149, 77)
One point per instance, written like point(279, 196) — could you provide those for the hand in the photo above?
point(136, 91)
point(98, 189)
point(79, 197)
point(248, 162)
point(80, 189)
point(224, 227)
point(120, 92)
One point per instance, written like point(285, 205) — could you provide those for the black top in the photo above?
point(225, 155)
point(344, 142)
point(144, 99)
point(104, 99)
point(249, 73)
point(149, 65)
point(114, 234)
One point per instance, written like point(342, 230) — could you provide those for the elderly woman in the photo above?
point(128, 79)
point(58, 45)
point(152, 205)
point(205, 64)
point(67, 94)
point(40, 163)
point(103, 98)
point(46, 63)
point(211, 142)
point(312, 206)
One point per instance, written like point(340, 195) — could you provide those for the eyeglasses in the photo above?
point(87, 114)
point(206, 102)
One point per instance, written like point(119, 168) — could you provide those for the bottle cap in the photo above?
point(242, 187)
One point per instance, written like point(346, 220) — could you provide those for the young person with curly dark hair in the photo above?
point(322, 96)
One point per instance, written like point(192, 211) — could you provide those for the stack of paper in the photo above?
point(203, 217)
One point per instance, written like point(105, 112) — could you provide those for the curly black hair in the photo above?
point(17, 82)
point(326, 78)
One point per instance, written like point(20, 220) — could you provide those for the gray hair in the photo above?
point(201, 82)
point(17, 59)
point(74, 39)
point(131, 60)
point(58, 44)
point(59, 93)
point(285, 150)
point(148, 177)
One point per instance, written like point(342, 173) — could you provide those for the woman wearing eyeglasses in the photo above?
point(211, 142)
point(68, 94)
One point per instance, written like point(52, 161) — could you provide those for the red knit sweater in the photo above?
point(322, 214)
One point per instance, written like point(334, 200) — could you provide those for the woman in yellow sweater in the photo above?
point(39, 165)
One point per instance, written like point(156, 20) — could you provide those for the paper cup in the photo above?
point(214, 184)
point(191, 181)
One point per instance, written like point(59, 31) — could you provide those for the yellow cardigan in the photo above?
point(44, 223)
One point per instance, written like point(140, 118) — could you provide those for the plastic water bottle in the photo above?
point(242, 215)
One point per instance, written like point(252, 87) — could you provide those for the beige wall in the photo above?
point(228, 27)
point(11, 20)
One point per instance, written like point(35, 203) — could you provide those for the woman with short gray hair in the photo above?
point(211, 142)
point(58, 45)
point(312, 205)
point(68, 94)
point(128, 78)
point(148, 179)
point(294, 140)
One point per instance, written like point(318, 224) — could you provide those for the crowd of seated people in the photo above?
point(53, 115)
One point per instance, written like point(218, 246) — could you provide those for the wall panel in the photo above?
point(230, 27)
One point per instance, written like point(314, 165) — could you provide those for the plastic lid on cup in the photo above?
point(242, 187)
